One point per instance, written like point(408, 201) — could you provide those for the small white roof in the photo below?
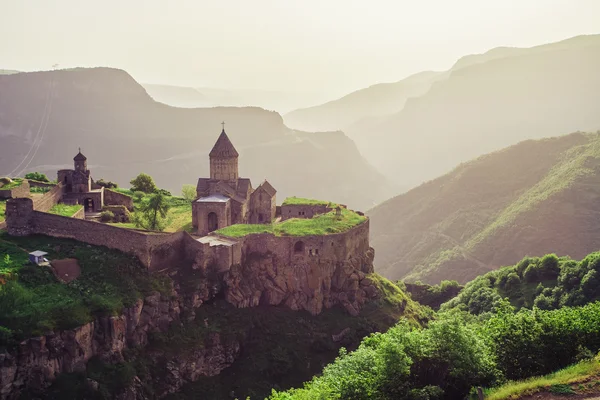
point(38, 253)
point(213, 198)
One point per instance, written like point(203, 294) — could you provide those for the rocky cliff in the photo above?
point(36, 362)
point(158, 323)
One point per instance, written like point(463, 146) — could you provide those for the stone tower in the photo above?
point(80, 162)
point(223, 160)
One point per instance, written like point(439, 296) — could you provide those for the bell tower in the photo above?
point(80, 162)
point(223, 159)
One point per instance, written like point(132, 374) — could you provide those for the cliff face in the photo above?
point(38, 361)
point(279, 277)
point(267, 279)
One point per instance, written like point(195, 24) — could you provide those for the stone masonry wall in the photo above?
point(302, 211)
point(19, 191)
point(113, 198)
point(304, 273)
point(49, 199)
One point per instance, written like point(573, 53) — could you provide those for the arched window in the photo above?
point(299, 247)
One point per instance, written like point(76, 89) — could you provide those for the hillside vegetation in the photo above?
point(547, 283)
point(456, 352)
point(533, 198)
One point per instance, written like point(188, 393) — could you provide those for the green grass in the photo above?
point(557, 382)
point(16, 182)
point(39, 189)
point(33, 301)
point(323, 224)
point(64, 209)
point(300, 201)
point(2, 210)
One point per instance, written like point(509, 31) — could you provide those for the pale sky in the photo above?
point(332, 46)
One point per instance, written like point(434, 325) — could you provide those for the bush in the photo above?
point(37, 176)
point(188, 192)
point(107, 216)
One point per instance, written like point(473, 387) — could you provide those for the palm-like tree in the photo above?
point(155, 209)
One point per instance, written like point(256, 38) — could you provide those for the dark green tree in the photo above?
point(152, 213)
point(37, 176)
point(143, 183)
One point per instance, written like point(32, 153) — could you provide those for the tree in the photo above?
point(143, 183)
point(152, 213)
point(188, 192)
point(36, 176)
point(106, 184)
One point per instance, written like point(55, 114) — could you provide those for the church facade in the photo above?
point(225, 199)
point(79, 185)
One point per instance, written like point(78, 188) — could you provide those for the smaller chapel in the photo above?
point(79, 185)
point(225, 199)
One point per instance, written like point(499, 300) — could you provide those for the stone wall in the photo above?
point(302, 211)
point(309, 273)
point(113, 198)
point(46, 201)
point(20, 191)
point(80, 214)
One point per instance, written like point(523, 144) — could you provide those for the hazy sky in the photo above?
point(334, 46)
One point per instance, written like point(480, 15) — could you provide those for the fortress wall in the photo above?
point(80, 214)
point(19, 191)
point(49, 199)
point(113, 198)
point(165, 250)
point(305, 249)
point(302, 211)
point(95, 233)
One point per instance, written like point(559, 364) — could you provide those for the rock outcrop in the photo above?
point(266, 279)
point(36, 362)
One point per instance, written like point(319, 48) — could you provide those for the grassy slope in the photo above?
point(2, 210)
point(16, 182)
point(533, 198)
point(64, 209)
point(32, 300)
point(305, 202)
point(179, 217)
point(581, 378)
point(319, 225)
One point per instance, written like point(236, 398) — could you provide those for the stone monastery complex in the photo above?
point(270, 265)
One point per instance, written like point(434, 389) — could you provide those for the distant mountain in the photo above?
point(377, 100)
point(280, 101)
point(46, 116)
point(487, 102)
point(533, 198)
point(177, 96)
point(8, 72)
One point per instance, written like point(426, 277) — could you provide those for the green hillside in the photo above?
point(533, 198)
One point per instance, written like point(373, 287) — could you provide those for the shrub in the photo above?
point(188, 192)
point(107, 216)
point(37, 176)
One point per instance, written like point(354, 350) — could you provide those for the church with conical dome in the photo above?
point(225, 199)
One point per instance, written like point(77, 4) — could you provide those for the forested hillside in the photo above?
point(532, 198)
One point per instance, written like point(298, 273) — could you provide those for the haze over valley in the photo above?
point(338, 199)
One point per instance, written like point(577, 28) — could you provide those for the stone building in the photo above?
point(79, 186)
point(225, 199)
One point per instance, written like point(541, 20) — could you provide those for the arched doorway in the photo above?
point(89, 205)
point(213, 222)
